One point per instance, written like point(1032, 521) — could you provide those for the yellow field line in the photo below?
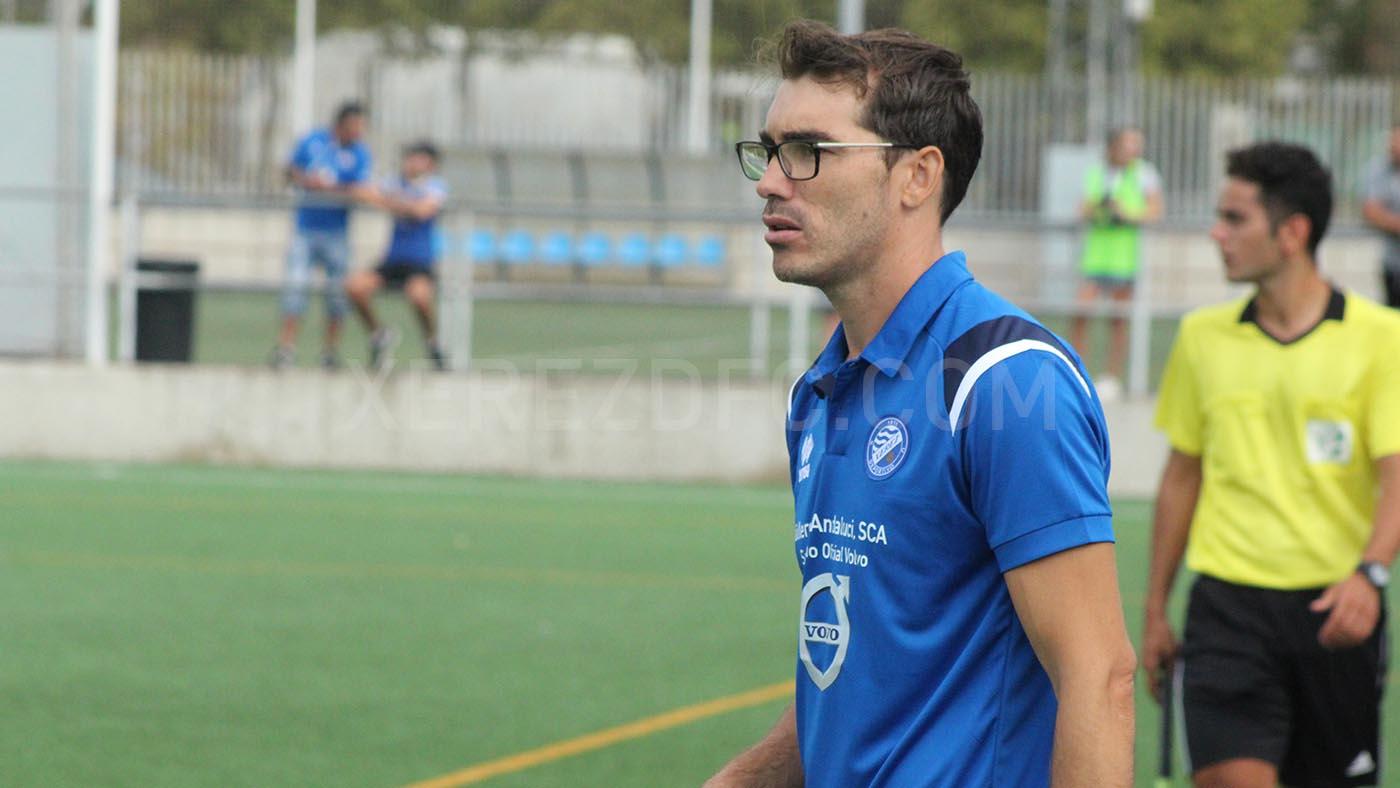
point(608, 737)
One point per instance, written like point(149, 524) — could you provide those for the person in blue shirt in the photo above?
point(960, 622)
point(415, 199)
point(331, 169)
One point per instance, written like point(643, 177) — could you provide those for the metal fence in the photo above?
point(215, 125)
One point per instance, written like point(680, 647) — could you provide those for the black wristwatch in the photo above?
point(1376, 573)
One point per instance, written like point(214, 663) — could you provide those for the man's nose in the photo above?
point(774, 183)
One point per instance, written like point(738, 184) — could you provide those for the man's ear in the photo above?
point(924, 179)
point(1293, 234)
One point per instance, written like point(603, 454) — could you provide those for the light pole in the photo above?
point(304, 67)
point(850, 17)
point(701, 19)
point(104, 87)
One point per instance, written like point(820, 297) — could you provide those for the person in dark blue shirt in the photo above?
point(415, 198)
point(331, 168)
point(960, 622)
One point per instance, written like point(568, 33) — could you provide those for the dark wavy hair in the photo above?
point(915, 92)
point(1291, 180)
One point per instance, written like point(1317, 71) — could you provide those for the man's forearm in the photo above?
point(1171, 525)
point(1376, 215)
point(1069, 606)
point(1385, 530)
point(772, 763)
point(1094, 731)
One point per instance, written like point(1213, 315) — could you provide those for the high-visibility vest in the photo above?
point(1112, 250)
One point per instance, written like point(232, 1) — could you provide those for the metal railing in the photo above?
point(206, 125)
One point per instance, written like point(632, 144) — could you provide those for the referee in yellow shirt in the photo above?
point(1283, 490)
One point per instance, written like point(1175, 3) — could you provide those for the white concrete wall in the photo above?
point(548, 423)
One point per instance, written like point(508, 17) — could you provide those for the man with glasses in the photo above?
point(960, 619)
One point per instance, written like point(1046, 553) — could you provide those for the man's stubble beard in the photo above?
point(838, 265)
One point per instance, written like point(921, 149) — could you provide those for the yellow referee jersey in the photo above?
point(1287, 433)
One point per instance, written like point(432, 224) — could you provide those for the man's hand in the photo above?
point(1159, 650)
point(317, 181)
point(1355, 606)
point(772, 763)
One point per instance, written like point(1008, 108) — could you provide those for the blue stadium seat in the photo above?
point(517, 247)
point(557, 248)
point(709, 251)
point(634, 249)
point(671, 250)
point(593, 249)
point(481, 246)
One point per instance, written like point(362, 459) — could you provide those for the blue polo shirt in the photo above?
point(414, 242)
point(963, 442)
point(320, 152)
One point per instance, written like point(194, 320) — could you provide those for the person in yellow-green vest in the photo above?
point(1120, 195)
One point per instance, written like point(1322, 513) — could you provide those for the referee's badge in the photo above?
point(1330, 442)
point(887, 447)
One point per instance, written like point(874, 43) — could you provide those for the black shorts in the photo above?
point(1391, 279)
point(395, 273)
point(1257, 684)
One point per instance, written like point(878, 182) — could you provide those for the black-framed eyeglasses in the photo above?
point(800, 160)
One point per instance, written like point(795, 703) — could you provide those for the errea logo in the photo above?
point(1363, 763)
point(806, 457)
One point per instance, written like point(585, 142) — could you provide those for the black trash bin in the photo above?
point(165, 292)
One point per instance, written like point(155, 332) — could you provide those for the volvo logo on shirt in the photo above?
point(887, 447)
point(835, 634)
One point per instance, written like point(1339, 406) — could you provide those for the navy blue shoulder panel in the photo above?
point(983, 337)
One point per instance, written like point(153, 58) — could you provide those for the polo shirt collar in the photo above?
point(891, 345)
point(1336, 310)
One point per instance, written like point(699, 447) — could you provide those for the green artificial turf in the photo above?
point(197, 626)
point(239, 327)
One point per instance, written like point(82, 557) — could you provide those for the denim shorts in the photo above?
point(329, 249)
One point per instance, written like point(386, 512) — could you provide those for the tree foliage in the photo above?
point(1009, 34)
point(1215, 37)
point(1235, 38)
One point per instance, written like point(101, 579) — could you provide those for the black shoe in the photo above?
point(281, 357)
point(438, 358)
point(381, 346)
point(330, 361)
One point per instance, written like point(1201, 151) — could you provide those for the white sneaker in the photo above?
point(1109, 388)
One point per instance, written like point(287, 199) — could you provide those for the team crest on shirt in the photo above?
point(887, 447)
point(830, 637)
